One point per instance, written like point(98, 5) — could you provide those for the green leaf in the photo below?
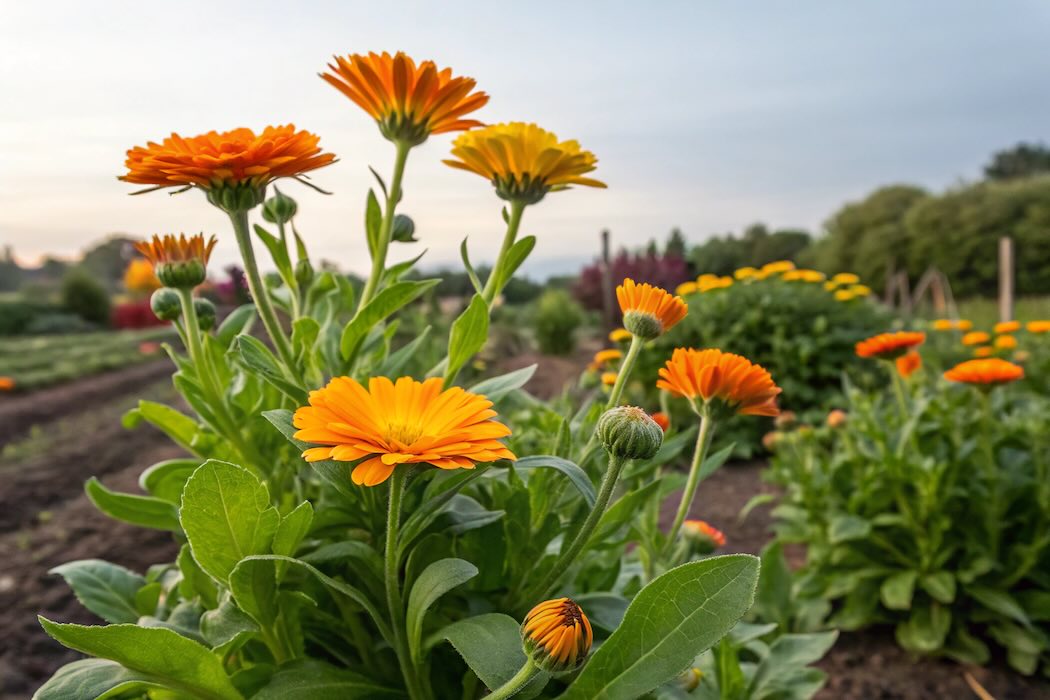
point(436, 580)
point(227, 627)
point(495, 388)
point(227, 516)
point(166, 479)
point(673, 619)
point(606, 610)
point(179, 427)
point(259, 358)
point(382, 305)
point(239, 321)
point(373, 221)
point(292, 529)
point(335, 474)
point(313, 680)
point(395, 362)
point(844, 528)
point(468, 334)
point(470, 268)
point(576, 475)
point(144, 511)
point(624, 511)
point(1000, 602)
point(712, 463)
point(773, 600)
point(897, 590)
point(940, 586)
point(98, 679)
point(926, 629)
point(105, 589)
point(195, 583)
point(253, 583)
point(180, 663)
point(515, 257)
point(787, 656)
point(491, 646)
point(278, 251)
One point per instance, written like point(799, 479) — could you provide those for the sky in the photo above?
point(704, 115)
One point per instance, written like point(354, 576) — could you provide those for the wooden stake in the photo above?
point(607, 285)
point(1006, 279)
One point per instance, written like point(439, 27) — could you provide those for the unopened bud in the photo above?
point(166, 304)
point(628, 432)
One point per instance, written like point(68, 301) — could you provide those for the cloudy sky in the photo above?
point(704, 115)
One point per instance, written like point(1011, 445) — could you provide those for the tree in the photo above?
point(675, 246)
point(1023, 160)
point(84, 296)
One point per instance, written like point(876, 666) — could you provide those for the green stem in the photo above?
point(515, 684)
point(992, 473)
point(261, 296)
point(290, 281)
point(550, 581)
point(392, 573)
point(494, 282)
point(703, 440)
point(898, 389)
point(386, 227)
point(624, 373)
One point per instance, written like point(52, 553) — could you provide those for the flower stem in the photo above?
point(260, 296)
point(492, 284)
point(386, 226)
point(703, 440)
point(550, 581)
point(992, 473)
point(515, 684)
point(391, 575)
point(624, 373)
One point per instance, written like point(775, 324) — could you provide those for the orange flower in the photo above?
point(662, 420)
point(557, 635)
point(408, 101)
point(908, 363)
point(139, 277)
point(7, 384)
point(232, 167)
point(713, 375)
point(976, 338)
point(984, 351)
point(1006, 342)
point(944, 324)
point(838, 418)
point(604, 356)
point(889, 346)
point(649, 311)
point(1038, 326)
point(990, 372)
point(620, 335)
point(170, 249)
point(700, 528)
point(403, 422)
point(608, 378)
point(1007, 327)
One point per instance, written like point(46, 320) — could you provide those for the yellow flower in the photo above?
point(1007, 327)
point(1038, 326)
point(523, 161)
point(792, 276)
point(608, 378)
point(964, 325)
point(402, 422)
point(831, 285)
point(843, 295)
point(860, 290)
point(976, 338)
point(777, 267)
point(557, 635)
point(408, 101)
point(649, 311)
point(745, 273)
point(715, 283)
point(620, 335)
point(944, 324)
point(604, 356)
point(845, 278)
point(685, 289)
point(139, 277)
point(812, 276)
point(1006, 342)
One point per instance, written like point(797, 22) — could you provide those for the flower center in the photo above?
point(403, 433)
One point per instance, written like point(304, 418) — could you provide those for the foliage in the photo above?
point(1023, 160)
point(756, 247)
point(666, 271)
point(18, 316)
point(931, 514)
point(84, 296)
point(555, 322)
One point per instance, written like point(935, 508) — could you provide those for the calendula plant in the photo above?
point(926, 507)
point(354, 521)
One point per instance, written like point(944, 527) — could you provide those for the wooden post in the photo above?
point(1006, 279)
point(607, 284)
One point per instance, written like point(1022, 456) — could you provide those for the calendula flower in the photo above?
point(649, 311)
point(976, 338)
point(620, 335)
point(989, 372)
point(844, 295)
point(557, 635)
point(628, 432)
point(233, 167)
point(1038, 326)
point(716, 283)
point(889, 346)
point(402, 422)
point(778, 266)
point(943, 324)
point(139, 277)
point(786, 420)
point(1006, 342)
point(908, 363)
point(964, 325)
point(662, 420)
point(860, 290)
point(771, 439)
point(178, 262)
point(608, 378)
point(983, 351)
point(605, 356)
point(837, 418)
point(706, 278)
point(685, 289)
point(7, 383)
point(845, 278)
point(523, 161)
point(409, 101)
point(703, 537)
point(721, 380)
point(744, 273)
point(1007, 327)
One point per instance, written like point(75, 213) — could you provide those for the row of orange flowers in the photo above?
point(899, 347)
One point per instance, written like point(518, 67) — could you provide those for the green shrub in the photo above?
point(85, 297)
point(16, 317)
point(555, 323)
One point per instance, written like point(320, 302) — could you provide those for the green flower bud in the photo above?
point(304, 273)
point(166, 304)
point(205, 314)
point(234, 198)
point(628, 432)
point(279, 209)
point(181, 274)
point(643, 324)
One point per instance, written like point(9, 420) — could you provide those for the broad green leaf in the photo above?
point(292, 529)
point(576, 475)
point(382, 305)
point(144, 511)
point(182, 664)
point(108, 590)
point(515, 257)
point(97, 679)
point(394, 273)
point(469, 332)
point(787, 655)
point(165, 480)
point(940, 586)
point(227, 627)
point(253, 583)
point(194, 581)
point(395, 362)
point(467, 514)
point(673, 619)
point(436, 580)
point(848, 527)
point(227, 516)
point(335, 474)
point(897, 590)
point(926, 629)
point(491, 646)
point(178, 426)
point(239, 321)
point(1000, 602)
point(313, 680)
point(495, 388)
point(259, 358)
point(773, 600)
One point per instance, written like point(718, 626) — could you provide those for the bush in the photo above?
point(929, 514)
point(666, 271)
point(16, 317)
point(85, 297)
point(556, 320)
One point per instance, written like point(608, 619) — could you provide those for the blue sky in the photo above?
point(704, 115)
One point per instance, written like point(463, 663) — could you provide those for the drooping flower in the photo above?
point(603, 357)
point(649, 311)
point(704, 537)
point(139, 277)
point(1006, 342)
point(178, 262)
point(1038, 327)
point(729, 381)
point(409, 101)
point(976, 338)
point(1007, 327)
point(233, 167)
point(889, 346)
point(989, 372)
point(402, 422)
point(620, 335)
point(557, 635)
point(908, 363)
point(523, 161)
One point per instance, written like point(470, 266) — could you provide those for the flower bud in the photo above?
point(786, 420)
point(557, 636)
point(166, 304)
point(701, 537)
point(628, 432)
point(181, 274)
point(771, 439)
point(205, 314)
point(837, 418)
point(304, 273)
point(279, 209)
point(236, 198)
